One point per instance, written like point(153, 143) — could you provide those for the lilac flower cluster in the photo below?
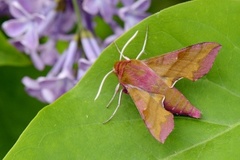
point(56, 21)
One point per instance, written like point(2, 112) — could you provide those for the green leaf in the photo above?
point(10, 56)
point(71, 128)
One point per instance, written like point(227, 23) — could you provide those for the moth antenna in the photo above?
point(119, 102)
point(120, 58)
point(116, 89)
point(144, 44)
point(100, 87)
point(125, 46)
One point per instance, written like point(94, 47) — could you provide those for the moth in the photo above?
point(150, 83)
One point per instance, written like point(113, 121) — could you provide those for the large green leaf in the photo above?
point(10, 55)
point(71, 128)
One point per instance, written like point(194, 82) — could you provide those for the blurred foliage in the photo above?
point(17, 108)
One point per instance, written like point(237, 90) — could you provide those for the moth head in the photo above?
point(119, 67)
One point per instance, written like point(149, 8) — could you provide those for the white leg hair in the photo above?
point(144, 44)
point(100, 87)
point(114, 95)
point(119, 103)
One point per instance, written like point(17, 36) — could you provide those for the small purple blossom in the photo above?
point(49, 53)
point(59, 80)
point(105, 8)
point(90, 45)
point(58, 22)
point(23, 26)
point(47, 89)
point(92, 49)
point(134, 13)
point(3, 8)
point(83, 65)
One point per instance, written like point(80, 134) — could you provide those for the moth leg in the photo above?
point(114, 95)
point(118, 105)
point(103, 80)
point(144, 44)
point(125, 46)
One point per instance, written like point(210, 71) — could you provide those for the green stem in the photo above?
point(78, 14)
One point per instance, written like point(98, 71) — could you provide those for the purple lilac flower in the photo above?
point(134, 13)
point(88, 21)
point(92, 49)
point(90, 45)
point(58, 22)
point(105, 8)
point(59, 80)
point(34, 19)
point(24, 27)
point(83, 65)
point(49, 54)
